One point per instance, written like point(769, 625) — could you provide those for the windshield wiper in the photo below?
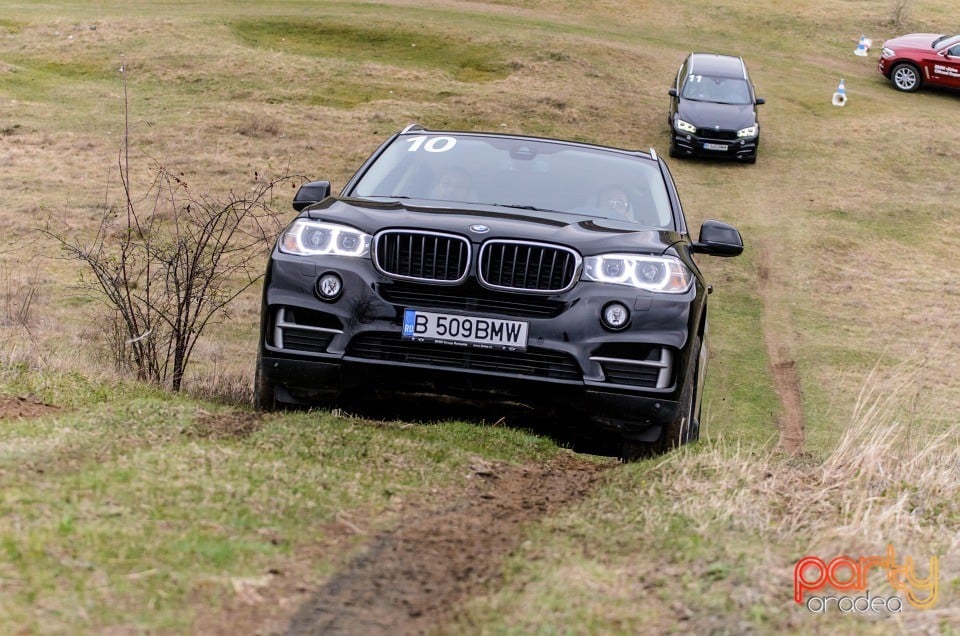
point(518, 206)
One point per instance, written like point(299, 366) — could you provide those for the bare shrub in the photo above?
point(17, 295)
point(258, 126)
point(170, 262)
point(170, 269)
point(898, 12)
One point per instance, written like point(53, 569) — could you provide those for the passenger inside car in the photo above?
point(453, 184)
point(614, 201)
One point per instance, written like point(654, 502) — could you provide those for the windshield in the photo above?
point(946, 40)
point(721, 90)
point(522, 174)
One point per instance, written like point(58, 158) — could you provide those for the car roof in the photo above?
point(418, 129)
point(716, 65)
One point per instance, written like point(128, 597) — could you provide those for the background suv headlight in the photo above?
point(749, 131)
point(665, 274)
point(683, 126)
point(305, 238)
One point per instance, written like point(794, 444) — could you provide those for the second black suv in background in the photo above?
point(713, 109)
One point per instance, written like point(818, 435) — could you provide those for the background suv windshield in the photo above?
point(722, 90)
point(522, 173)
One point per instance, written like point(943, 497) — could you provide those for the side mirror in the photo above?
point(310, 193)
point(718, 239)
point(760, 100)
point(672, 92)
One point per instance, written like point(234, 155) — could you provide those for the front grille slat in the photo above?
point(630, 374)
point(469, 298)
point(520, 265)
point(526, 270)
point(421, 255)
point(303, 340)
point(299, 329)
point(639, 365)
point(533, 362)
point(423, 260)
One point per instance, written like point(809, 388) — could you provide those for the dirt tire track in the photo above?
point(23, 407)
point(786, 382)
point(413, 578)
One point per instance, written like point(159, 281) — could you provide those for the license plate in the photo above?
point(707, 146)
point(494, 333)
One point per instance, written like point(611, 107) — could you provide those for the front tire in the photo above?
point(264, 391)
point(685, 428)
point(906, 77)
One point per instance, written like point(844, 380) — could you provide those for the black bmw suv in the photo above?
point(713, 109)
point(550, 273)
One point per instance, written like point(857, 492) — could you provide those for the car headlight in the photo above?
point(885, 52)
point(683, 126)
point(749, 131)
point(652, 273)
point(305, 237)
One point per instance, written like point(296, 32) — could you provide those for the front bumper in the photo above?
point(314, 351)
point(883, 67)
point(724, 145)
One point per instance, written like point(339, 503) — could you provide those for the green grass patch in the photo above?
point(11, 27)
point(739, 400)
point(411, 47)
point(30, 78)
point(121, 484)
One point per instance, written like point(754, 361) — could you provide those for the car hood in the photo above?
point(718, 116)
point(918, 41)
point(587, 234)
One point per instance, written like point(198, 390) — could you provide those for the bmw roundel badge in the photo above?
point(479, 229)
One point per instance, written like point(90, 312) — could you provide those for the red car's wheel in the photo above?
point(906, 77)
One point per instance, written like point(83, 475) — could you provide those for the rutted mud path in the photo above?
point(23, 407)
point(415, 577)
point(775, 325)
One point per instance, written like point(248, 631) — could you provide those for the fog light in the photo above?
point(329, 286)
point(615, 316)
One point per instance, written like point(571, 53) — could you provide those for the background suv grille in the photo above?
point(710, 133)
point(426, 256)
point(529, 266)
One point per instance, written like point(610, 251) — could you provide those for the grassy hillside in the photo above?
point(124, 509)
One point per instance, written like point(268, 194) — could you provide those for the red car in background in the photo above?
point(918, 59)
